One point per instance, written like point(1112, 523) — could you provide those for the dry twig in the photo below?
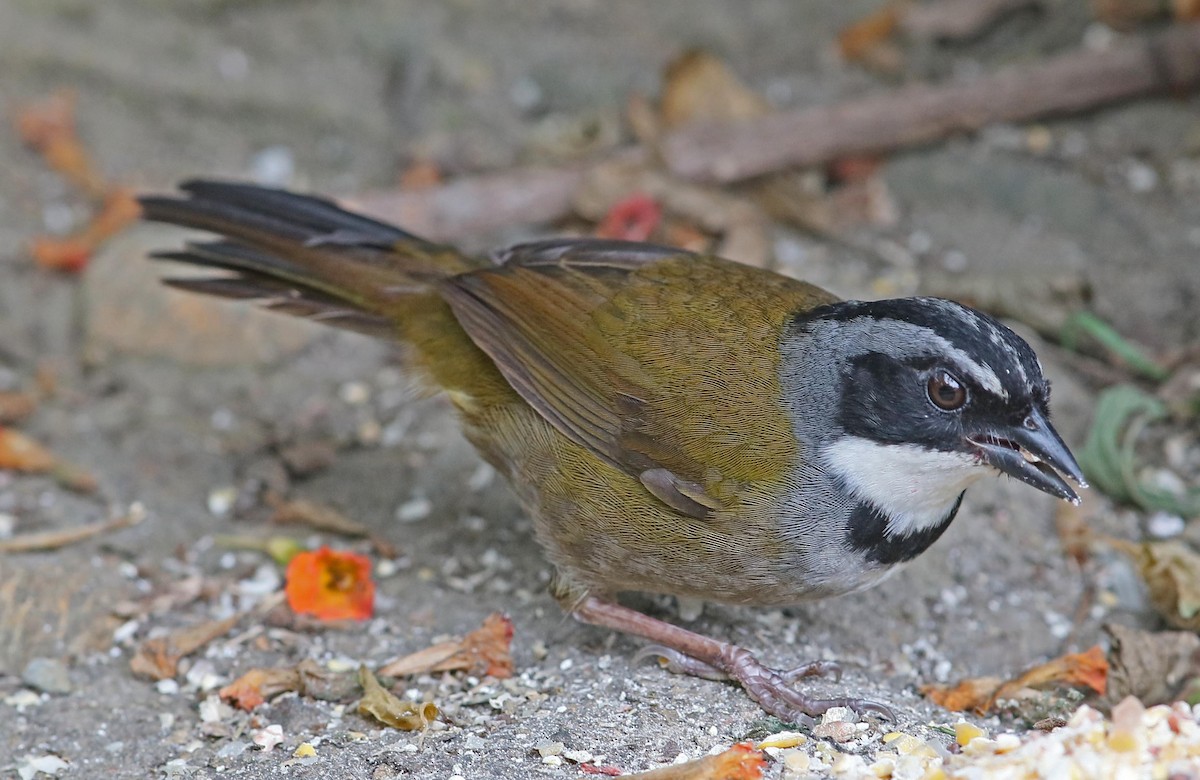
point(1166, 62)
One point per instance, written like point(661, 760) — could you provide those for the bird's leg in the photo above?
point(692, 653)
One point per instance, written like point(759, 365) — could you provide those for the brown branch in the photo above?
point(1166, 62)
point(477, 205)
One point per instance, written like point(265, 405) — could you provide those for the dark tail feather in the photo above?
point(310, 215)
point(301, 254)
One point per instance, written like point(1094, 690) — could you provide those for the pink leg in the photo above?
point(693, 653)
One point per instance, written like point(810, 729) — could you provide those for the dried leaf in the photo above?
point(421, 174)
point(16, 406)
point(257, 685)
point(1088, 669)
point(486, 650)
point(48, 126)
point(869, 40)
point(1156, 667)
point(740, 762)
point(326, 685)
point(1172, 574)
point(701, 88)
point(317, 516)
point(1074, 534)
point(390, 710)
point(305, 458)
point(18, 452)
point(159, 658)
point(970, 694)
point(72, 254)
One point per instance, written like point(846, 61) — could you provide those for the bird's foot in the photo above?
point(687, 652)
point(678, 663)
point(771, 688)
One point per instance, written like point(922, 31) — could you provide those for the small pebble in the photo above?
point(47, 674)
point(1163, 525)
point(233, 64)
point(354, 393)
point(220, 500)
point(22, 699)
point(1140, 177)
point(417, 508)
point(273, 167)
point(232, 749)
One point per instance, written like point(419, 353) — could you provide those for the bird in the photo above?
point(673, 422)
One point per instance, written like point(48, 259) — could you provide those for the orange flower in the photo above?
point(331, 585)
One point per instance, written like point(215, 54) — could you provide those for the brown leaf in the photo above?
point(257, 685)
point(869, 40)
point(701, 88)
point(1088, 669)
point(1153, 666)
point(1172, 574)
point(326, 685)
point(159, 658)
point(305, 458)
point(970, 694)
point(48, 126)
point(16, 406)
point(486, 650)
point(421, 174)
point(390, 710)
point(18, 452)
point(1073, 533)
point(317, 516)
point(740, 762)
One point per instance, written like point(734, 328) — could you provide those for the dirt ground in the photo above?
point(172, 403)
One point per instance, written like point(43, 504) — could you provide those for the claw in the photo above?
point(773, 690)
point(814, 669)
point(676, 662)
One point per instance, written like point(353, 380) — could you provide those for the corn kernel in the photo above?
point(965, 732)
point(1123, 742)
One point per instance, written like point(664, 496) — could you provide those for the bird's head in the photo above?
point(928, 396)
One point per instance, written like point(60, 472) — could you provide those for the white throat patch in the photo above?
point(912, 486)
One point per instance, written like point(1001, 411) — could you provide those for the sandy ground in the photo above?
point(346, 94)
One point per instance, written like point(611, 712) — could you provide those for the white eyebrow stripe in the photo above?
point(981, 372)
point(906, 339)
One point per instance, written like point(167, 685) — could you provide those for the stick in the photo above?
point(478, 205)
point(1073, 82)
point(53, 540)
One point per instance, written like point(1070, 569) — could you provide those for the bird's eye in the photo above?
point(946, 391)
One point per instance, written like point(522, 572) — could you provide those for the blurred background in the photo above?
point(1037, 158)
